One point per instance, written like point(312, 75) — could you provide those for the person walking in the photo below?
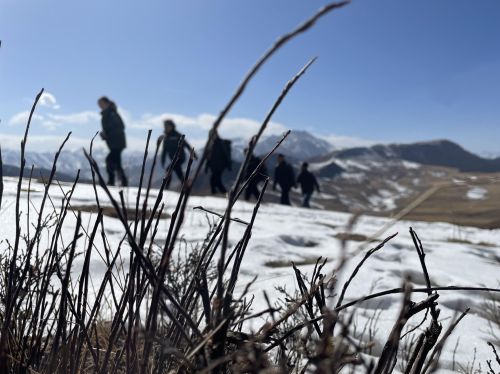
point(113, 133)
point(285, 177)
point(308, 183)
point(253, 185)
point(171, 139)
point(218, 160)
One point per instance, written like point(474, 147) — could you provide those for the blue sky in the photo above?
point(388, 70)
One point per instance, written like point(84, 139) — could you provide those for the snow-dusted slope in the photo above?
point(69, 161)
point(455, 256)
point(300, 145)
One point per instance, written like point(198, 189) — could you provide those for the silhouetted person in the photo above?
point(113, 132)
point(285, 177)
point(253, 185)
point(308, 183)
point(218, 160)
point(170, 145)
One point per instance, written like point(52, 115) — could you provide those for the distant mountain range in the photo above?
point(380, 179)
point(435, 153)
point(299, 146)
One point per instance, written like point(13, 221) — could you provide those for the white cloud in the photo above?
point(21, 119)
point(53, 121)
point(202, 123)
point(341, 142)
point(80, 118)
point(195, 127)
point(44, 143)
point(48, 100)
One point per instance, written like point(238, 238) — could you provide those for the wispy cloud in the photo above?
point(48, 100)
point(194, 126)
point(49, 117)
point(341, 142)
point(136, 143)
point(231, 127)
point(45, 143)
point(53, 121)
point(21, 118)
point(57, 123)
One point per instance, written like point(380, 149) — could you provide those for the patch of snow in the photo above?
point(358, 177)
point(459, 181)
point(290, 233)
point(438, 174)
point(346, 164)
point(382, 202)
point(477, 193)
point(357, 165)
point(402, 190)
point(410, 165)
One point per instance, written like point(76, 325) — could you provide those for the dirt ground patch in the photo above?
point(349, 236)
point(452, 204)
point(110, 211)
point(287, 263)
point(465, 241)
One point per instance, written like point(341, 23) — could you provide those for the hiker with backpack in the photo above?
point(171, 142)
point(308, 184)
point(113, 133)
point(218, 160)
point(253, 185)
point(285, 177)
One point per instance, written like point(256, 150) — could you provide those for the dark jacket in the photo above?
point(252, 165)
point(218, 158)
point(113, 129)
point(170, 145)
point(307, 181)
point(284, 175)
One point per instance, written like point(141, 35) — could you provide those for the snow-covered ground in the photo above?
point(455, 256)
point(477, 193)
